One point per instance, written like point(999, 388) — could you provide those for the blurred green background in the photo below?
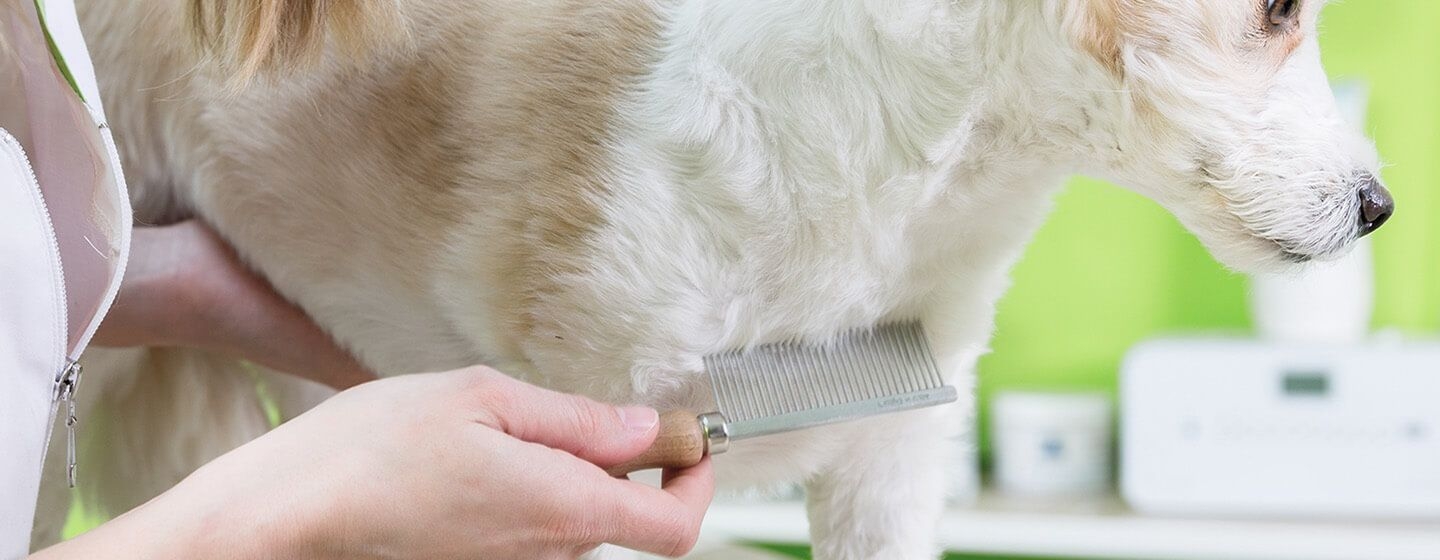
point(1111, 268)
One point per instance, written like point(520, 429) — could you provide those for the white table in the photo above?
point(1107, 529)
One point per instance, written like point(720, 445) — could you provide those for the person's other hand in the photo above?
point(466, 464)
point(185, 287)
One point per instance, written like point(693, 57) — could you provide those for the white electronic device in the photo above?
point(1245, 427)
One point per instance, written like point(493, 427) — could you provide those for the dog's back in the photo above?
point(498, 108)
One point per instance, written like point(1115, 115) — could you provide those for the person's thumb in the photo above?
point(599, 433)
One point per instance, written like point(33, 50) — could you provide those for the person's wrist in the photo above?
point(191, 521)
point(202, 524)
point(196, 305)
point(147, 312)
point(166, 287)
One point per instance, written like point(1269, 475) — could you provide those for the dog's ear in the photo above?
point(252, 37)
point(1096, 27)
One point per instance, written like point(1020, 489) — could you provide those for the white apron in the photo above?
point(64, 240)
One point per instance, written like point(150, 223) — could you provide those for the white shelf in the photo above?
point(1108, 530)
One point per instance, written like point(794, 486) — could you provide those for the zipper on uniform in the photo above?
point(65, 386)
point(68, 378)
point(68, 382)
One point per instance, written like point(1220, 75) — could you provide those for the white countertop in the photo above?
point(1107, 529)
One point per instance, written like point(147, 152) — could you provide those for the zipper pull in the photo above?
point(69, 382)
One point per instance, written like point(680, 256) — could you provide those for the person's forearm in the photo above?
point(174, 526)
point(185, 287)
point(462, 464)
point(133, 535)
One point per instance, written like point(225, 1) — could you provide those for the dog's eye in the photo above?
point(1282, 14)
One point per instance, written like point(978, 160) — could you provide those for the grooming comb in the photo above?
point(789, 386)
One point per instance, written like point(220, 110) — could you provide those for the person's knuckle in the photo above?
point(555, 552)
point(569, 527)
point(681, 535)
point(674, 532)
point(589, 418)
point(478, 377)
point(486, 392)
point(488, 389)
point(585, 548)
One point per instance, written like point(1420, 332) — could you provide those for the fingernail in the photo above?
point(639, 419)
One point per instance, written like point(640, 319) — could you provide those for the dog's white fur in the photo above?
point(775, 169)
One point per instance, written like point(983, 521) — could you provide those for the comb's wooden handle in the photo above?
point(681, 444)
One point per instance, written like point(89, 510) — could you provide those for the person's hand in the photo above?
point(466, 464)
point(185, 287)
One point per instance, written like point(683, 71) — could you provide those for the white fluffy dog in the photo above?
point(593, 194)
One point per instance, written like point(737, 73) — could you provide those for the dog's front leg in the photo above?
point(882, 499)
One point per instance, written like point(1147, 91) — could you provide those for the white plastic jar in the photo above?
point(1052, 445)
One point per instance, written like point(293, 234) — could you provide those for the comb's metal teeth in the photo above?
point(735, 380)
point(886, 364)
point(811, 390)
point(893, 367)
point(793, 377)
point(906, 356)
point(719, 383)
point(794, 369)
point(805, 355)
point(740, 406)
point(799, 359)
point(744, 385)
point(790, 372)
point(776, 381)
point(883, 383)
point(822, 379)
point(922, 345)
point(759, 396)
point(749, 380)
point(764, 402)
point(837, 384)
point(905, 342)
point(848, 381)
point(911, 345)
point(782, 377)
point(896, 367)
point(879, 383)
point(723, 380)
point(914, 343)
point(822, 383)
point(771, 383)
point(854, 367)
point(786, 376)
point(853, 376)
point(805, 368)
point(715, 381)
point(742, 378)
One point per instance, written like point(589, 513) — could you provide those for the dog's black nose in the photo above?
point(1376, 206)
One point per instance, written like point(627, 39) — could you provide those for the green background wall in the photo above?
point(1112, 268)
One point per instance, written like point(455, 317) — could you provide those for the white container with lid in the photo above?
point(1052, 444)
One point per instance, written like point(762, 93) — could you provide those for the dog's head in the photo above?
point(1222, 113)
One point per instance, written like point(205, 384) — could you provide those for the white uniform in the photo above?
point(64, 239)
